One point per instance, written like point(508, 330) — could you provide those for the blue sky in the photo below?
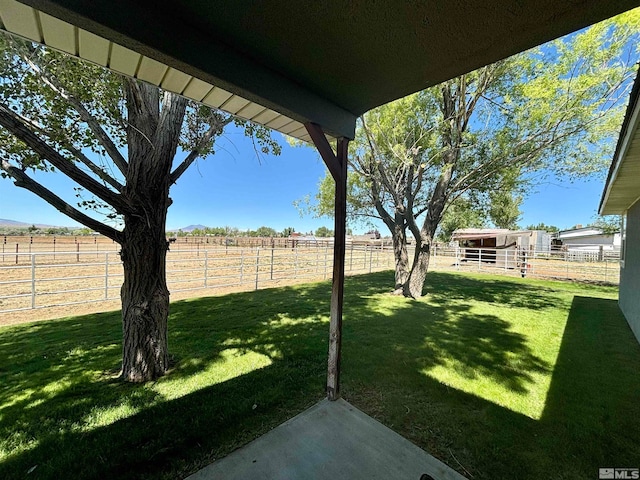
point(234, 188)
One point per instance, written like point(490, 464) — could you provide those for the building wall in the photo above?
point(592, 241)
point(630, 274)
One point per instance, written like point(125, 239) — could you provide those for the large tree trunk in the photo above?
point(399, 237)
point(152, 138)
point(145, 299)
point(415, 283)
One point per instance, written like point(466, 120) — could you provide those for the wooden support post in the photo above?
point(337, 165)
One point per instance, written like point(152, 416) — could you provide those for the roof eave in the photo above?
point(252, 80)
point(628, 132)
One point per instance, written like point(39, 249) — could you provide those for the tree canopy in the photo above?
point(468, 150)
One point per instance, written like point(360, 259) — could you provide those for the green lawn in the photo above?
point(498, 377)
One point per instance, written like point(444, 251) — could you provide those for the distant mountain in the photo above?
point(14, 223)
point(191, 228)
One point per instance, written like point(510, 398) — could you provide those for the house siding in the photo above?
point(630, 274)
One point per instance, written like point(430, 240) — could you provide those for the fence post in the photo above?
point(106, 275)
point(326, 249)
point(206, 267)
point(33, 281)
point(351, 257)
point(17, 253)
point(364, 259)
point(271, 273)
point(435, 255)
point(257, 265)
point(241, 265)
point(479, 258)
point(295, 264)
point(370, 258)
point(77, 252)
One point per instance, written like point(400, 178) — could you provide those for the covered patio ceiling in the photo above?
point(284, 63)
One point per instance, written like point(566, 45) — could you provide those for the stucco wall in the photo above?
point(592, 240)
point(630, 274)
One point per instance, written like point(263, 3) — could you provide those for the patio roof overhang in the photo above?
point(282, 63)
point(622, 189)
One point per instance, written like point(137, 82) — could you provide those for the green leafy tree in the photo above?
point(609, 224)
point(124, 143)
point(487, 135)
point(324, 232)
point(287, 232)
point(215, 231)
point(266, 232)
point(462, 213)
point(544, 227)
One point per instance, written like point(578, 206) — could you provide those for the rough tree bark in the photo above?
point(399, 238)
point(152, 138)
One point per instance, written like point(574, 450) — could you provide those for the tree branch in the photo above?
point(195, 153)
point(104, 176)
point(95, 127)
point(386, 181)
point(22, 180)
point(76, 153)
point(377, 203)
point(13, 123)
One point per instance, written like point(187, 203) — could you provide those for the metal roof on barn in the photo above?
point(283, 63)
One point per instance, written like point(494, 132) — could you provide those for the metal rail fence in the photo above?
point(10, 246)
point(39, 280)
point(590, 266)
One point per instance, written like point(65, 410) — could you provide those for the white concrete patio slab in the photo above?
point(329, 440)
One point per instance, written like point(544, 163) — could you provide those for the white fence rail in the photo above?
point(40, 280)
point(591, 266)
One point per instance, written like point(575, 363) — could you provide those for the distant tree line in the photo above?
point(263, 231)
point(34, 230)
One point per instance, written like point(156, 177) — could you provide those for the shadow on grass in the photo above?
point(512, 293)
point(424, 335)
point(590, 419)
point(56, 375)
point(592, 411)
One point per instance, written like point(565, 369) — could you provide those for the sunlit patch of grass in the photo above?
point(103, 416)
point(233, 363)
